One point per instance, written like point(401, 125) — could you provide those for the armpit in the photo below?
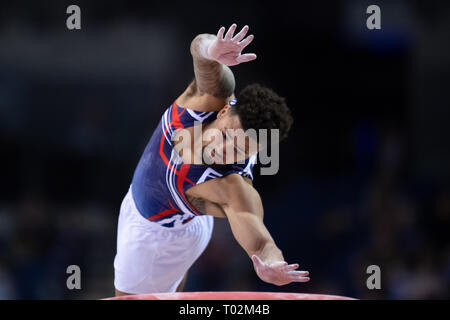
point(206, 207)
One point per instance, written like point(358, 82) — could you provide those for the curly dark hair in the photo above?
point(259, 107)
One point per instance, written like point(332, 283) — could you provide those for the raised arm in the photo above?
point(245, 214)
point(212, 57)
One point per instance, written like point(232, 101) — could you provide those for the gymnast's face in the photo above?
point(225, 141)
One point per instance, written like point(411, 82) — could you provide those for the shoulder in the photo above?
point(236, 187)
point(193, 99)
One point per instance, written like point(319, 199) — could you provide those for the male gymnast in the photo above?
point(166, 218)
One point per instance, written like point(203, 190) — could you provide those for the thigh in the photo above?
point(155, 258)
point(182, 249)
point(137, 247)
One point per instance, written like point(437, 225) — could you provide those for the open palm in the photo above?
point(228, 50)
point(279, 272)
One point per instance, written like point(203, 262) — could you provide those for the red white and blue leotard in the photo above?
point(161, 178)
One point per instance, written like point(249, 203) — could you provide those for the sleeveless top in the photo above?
point(161, 177)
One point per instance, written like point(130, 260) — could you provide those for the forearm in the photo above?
point(253, 236)
point(245, 214)
point(262, 245)
point(211, 76)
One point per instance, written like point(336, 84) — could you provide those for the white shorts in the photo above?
point(151, 258)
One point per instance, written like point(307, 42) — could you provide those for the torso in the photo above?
point(198, 194)
point(169, 193)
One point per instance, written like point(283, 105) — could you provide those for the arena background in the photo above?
point(364, 176)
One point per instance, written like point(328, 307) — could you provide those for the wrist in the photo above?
point(204, 42)
point(203, 49)
point(270, 253)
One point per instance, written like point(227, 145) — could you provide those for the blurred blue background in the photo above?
point(364, 175)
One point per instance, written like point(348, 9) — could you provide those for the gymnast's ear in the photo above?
point(223, 111)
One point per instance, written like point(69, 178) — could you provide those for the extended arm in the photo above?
point(213, 54)
point(245, 214)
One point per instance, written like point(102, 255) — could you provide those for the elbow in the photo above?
point(227, 83)
point(195, 45)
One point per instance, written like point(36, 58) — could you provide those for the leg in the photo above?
point(182, 283)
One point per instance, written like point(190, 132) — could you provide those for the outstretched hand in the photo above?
point(227, 49)
point(279, 272)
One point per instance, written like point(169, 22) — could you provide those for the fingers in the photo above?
point(246, 41)
point(240, 35)
point(300, 279)
point(237, 38)
point(220, 33)
point(298, 276)
point(230, 32)
point(298, 273)
point(246, 57)
point(291, 267)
